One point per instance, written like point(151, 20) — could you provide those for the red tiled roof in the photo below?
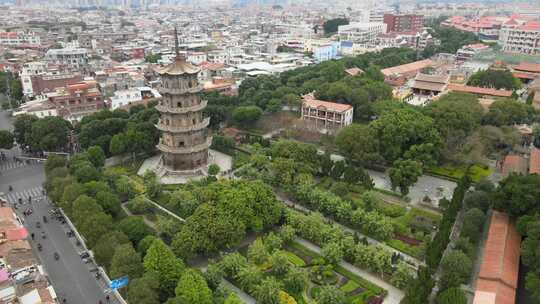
point(407, 68)
point(524, 75)
point(528, 67)
point(497, 280)
point(479, 90)
point(530, 26)
point(354, 71)
point(17, 234)
point(311, 102)
point(514, 164)
point(534, 161)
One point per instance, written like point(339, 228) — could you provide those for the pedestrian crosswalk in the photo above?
point(10, 164)
point(13, 197)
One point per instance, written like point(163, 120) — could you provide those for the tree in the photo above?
point(6, 139)
point(456, 268)
point(135, 228)
point(477, 199)
point(86, 172)
point(49, 134)
point(144, 244)
point(358, 143)
point(518, 195)
point(105, 247)
point(331, 26)
point(332, 253)
point(54, 161)
point(126, 261)
point(473, 221)
point(213, 170)
point(109, 202)
point(192, 288)
point(330, 295)
point(143, 290)
point(505, 112)
point(151, 184)
point(268, 291)
point(452, 296)
point(161, 261)
point(532, 283)
point(23, 129)
point(249, 277)
point(257, 252)
point(272, 242)
point(96, 156)
point(233, 299)
point(296, 280)
point(498, 79)
point(404, 174)
point(402, 275)
point(280, 263)
point(118, 144)
point(183, 202)
point(399, 130)
point(247, 115)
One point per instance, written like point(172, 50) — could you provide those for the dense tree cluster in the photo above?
point(328, 79)
point(331, 26)
point(42, 134)
point(498, 79)
point(11, 85)
point(118, 132)
point(451, 39)
point(222, 217)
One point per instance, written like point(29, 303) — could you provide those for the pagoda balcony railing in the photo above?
point(195, 127)
point(186, 150)
point(196, 89)
point(179, 110)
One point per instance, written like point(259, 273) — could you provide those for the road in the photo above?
point(70, 277)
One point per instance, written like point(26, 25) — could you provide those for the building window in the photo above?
point(194, 120)
point(181, 144)
point(179, 104)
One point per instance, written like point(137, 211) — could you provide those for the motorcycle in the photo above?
point(56, 256)
point(43, 236)
point(39, 247)
point(38, 225)
point(44, 219)
point(10, 188)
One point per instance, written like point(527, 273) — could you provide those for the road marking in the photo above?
point(36, 193)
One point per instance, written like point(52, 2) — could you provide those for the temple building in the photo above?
point(185, 139)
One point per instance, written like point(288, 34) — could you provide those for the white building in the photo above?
point(197, 57)
point(28, 70)
point(326, 116)
point(524, 39)
point(74, 58)
point(361, 32)
point(125, 97)
point(19, 38)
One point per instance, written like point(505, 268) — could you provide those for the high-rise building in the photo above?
point(403, 23)
point(184, 141)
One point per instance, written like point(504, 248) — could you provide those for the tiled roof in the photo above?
point(407, 68)
point(534, 161)
point(479, 90)
point(179, 67)
point(528, 67)
point(524, 75)
point(514, 164)
point(498, 277)
point(354, 71)
point(311, 102)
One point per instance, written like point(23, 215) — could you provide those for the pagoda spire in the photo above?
point(179, 57)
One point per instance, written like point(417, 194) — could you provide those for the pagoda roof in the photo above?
point(179, 67)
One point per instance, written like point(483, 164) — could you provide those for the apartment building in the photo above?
point(361, 32)
point(524, 39)
point(325, 115)
point(19, 38)
point(75, 58)
point(403, 22)
point(75, 101)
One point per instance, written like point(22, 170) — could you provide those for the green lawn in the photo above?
point(294, 259)
point(349, 286)
point(457, 172)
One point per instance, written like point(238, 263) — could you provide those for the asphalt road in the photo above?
point(70, 276)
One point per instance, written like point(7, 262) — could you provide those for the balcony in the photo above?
point(192, 90)
point(181, 110)
point(180, 129)
point(186, 150)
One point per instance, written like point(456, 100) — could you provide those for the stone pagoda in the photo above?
point(185, 139)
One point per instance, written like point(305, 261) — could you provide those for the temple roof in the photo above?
point(179, 67)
